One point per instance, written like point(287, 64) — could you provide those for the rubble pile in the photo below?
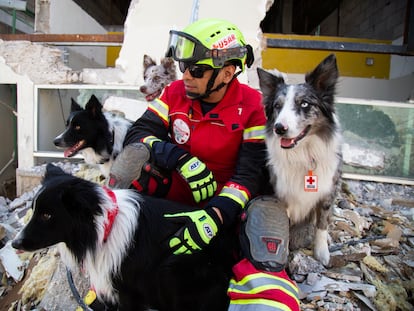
point(372, 253)
point(371, 245)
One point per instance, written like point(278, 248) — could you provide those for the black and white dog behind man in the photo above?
point(120, 239)
point(304, 147)
point(97, 135)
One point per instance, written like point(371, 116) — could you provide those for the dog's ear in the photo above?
point(148, 61)
point(94, 106)
point(167, 62)
point(324, 77)
point(79, 198)
point(169, 66)
point(52, 171)
point(269, 83)
point(74, 106)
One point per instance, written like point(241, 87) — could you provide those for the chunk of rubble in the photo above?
point(11, 263)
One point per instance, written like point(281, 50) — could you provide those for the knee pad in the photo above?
point(134, 168)
point(264, 233)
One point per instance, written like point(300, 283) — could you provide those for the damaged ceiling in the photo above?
point(106, 12)
point(313, 12)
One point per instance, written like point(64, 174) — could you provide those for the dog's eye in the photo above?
point(77, 127)
point(304, 104)
point(45, 217)
point(156, 79)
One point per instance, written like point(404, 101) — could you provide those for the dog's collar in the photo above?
point(111, 214)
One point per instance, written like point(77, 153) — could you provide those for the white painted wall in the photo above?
point(149, 21)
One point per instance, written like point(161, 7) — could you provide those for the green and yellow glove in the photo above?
point(198, 176)
point(199, 227)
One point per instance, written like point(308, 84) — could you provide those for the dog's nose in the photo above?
point(280, 129)
point(17, 243)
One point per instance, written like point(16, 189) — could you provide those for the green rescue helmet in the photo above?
point(211, 42)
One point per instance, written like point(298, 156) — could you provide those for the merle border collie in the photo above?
point(97, 135)
point(156, 77)
point(304, 147)
point(120, 239)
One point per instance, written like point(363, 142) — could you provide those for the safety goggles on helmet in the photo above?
point(196, 71)
point(186, 48)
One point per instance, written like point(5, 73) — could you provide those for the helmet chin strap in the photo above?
point(210, 84)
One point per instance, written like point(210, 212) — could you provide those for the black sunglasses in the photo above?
point(196, 71)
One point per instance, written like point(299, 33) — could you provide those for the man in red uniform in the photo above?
point(202, 143)
point(207, 129)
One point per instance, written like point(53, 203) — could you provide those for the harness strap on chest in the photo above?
point(111, 214)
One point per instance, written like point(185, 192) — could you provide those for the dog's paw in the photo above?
point(320, 248)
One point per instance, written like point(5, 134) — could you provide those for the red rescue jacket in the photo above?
point(229, 138)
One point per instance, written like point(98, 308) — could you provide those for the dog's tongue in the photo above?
point(291, 142)
point(287, 142)
point(71, 151)
point(151, 97)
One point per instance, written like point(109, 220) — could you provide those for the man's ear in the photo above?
point(228, 72)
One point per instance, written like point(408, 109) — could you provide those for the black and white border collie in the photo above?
point(120, 239)
point(304, 146)
point(98, 136)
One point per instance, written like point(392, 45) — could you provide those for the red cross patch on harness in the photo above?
point(311, 182)
point(272, 244)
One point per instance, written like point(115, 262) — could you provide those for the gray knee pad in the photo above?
point(133, 168)
point(264, 233)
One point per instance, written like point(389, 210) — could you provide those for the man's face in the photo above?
point(195, 79)
point(196, 83)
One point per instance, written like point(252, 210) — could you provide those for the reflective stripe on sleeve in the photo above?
point(236, 194)
point(254, 133)
point(149, 140)
point(160, 108)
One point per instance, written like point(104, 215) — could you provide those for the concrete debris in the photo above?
point(105, 76)
point(37, 282)
point(42, 64)
point(371, 244)
point(11, 263)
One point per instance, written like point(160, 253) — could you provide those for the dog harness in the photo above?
point(111, 213)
